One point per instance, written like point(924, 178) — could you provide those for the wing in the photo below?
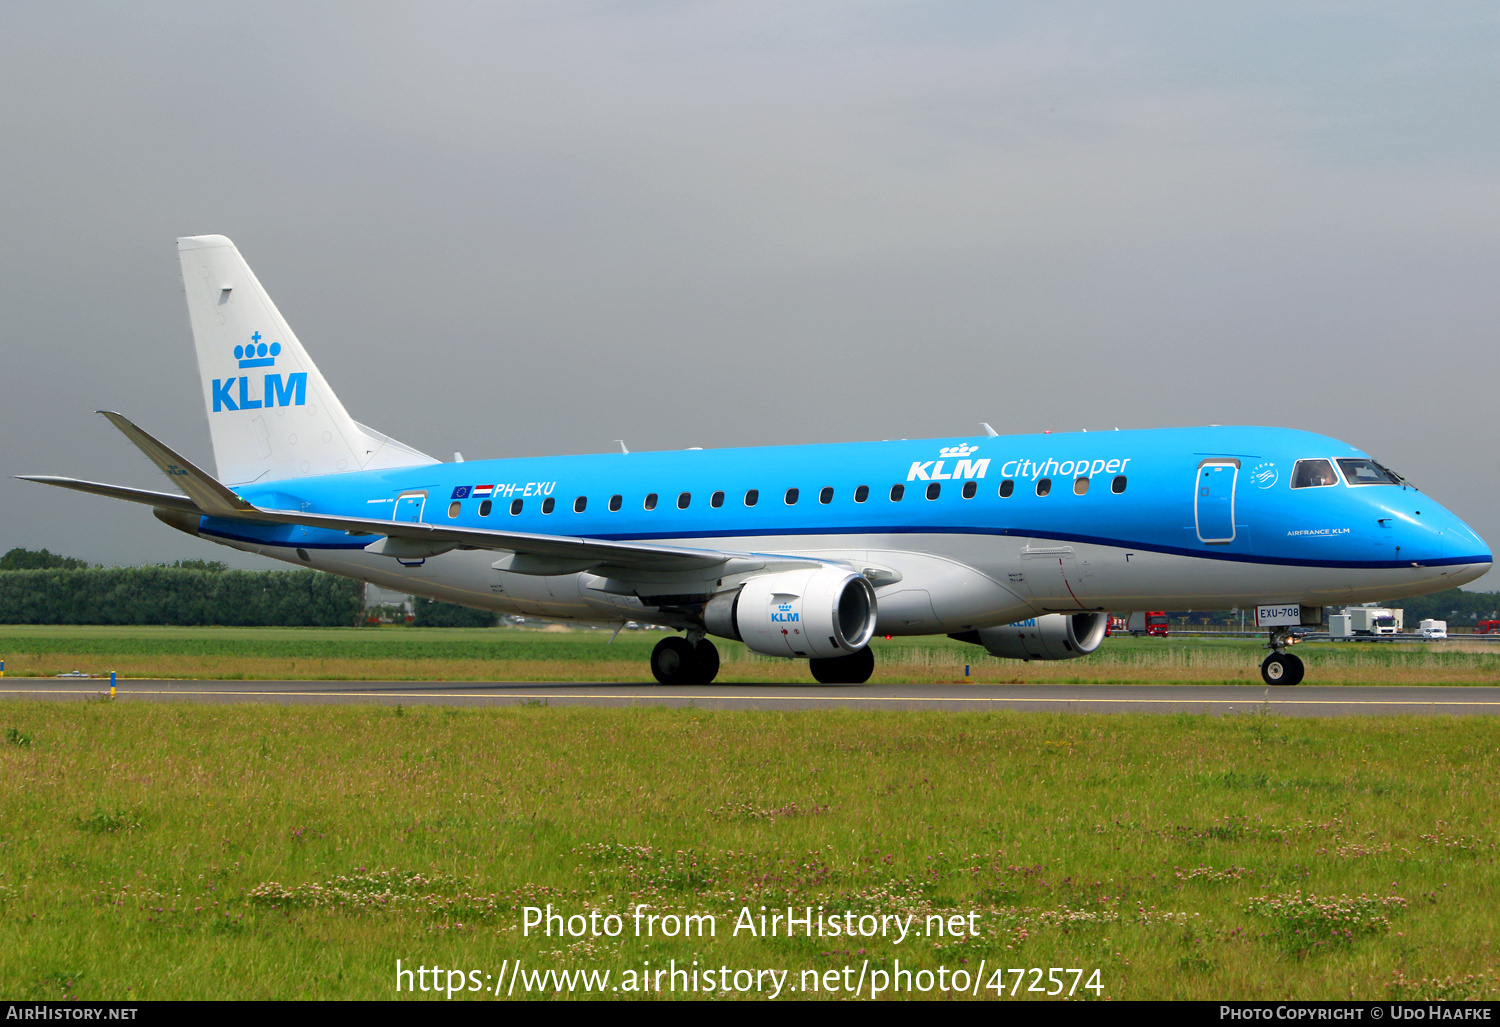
point(547, 554)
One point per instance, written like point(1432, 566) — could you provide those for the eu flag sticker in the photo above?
point(462, 492)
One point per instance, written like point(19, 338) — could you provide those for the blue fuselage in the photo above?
point(1135, 518)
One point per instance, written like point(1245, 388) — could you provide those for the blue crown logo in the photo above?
point(256, 353)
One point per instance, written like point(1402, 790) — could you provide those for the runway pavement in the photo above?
point(1302, 701)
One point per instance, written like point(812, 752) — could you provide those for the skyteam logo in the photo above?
point(932, 470)
point(276, 390)
point(1264, 475)
point(257, 353)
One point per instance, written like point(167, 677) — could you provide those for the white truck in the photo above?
point(1374, 620)
point(1433, 629)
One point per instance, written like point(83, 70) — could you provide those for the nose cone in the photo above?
point(1466, 554)
point(1422, 534)
point(1465, 573)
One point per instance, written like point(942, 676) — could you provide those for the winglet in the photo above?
point(209, 496)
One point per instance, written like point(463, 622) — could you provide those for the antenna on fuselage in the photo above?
point(992, 433)
point(623, 448)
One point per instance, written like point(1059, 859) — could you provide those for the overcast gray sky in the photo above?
point(527, 228)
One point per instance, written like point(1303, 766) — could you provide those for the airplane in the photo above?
point(1021, 545)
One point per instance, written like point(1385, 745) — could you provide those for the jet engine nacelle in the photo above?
point(814, 614)
point(1056, 636)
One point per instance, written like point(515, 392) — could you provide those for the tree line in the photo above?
point(1454, 606)
point(41, 587)
point(44, 588)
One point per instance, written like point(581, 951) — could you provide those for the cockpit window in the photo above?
point(1312, 474)
point(1362, 471)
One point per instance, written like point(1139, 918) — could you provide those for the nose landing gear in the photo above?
point(1281, 667)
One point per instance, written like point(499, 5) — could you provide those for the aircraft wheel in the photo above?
point(854, 669)
point(706, 656)
point(1281, 669)
point(674, 661)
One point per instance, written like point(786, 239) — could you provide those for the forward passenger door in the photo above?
point(1213, 500)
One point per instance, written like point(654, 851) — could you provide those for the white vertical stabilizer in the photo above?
point(270, 412)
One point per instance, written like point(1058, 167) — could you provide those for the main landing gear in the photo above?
point(689, 661)
point(1281, 667)
point(681, 661)
point(854, 669)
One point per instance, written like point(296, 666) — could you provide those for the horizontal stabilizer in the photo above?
point(160, 500)
point(205, 492)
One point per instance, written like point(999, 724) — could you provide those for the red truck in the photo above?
point(1152, 624)
point(1487, 627)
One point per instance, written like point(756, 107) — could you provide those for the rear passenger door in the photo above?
point(409, 507)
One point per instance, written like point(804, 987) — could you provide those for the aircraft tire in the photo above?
point(674, 661)
point(706, 659)
point(854, 669)
point(1282, 669)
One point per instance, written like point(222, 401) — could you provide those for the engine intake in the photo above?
point(1054, 636)
point(813, 614)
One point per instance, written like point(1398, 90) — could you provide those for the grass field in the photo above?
point(511, 654)
point(176, 851)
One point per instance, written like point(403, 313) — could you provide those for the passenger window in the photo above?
point(1007, 487)
point(485, 508)
point(515, 507)
point(897, 491)
point(548, 505)
point(614, 503)
point(454, 507)
point(651, 501)
point(934, 490)
point(1118, 485)
point(862, 493)
point(716, 500)
point(791, 497)
point(971, 489)
point(752, 497)
point(1080, 486)
point(1044, 486)
point(826, 496)
point(580, 504)
point(683, 500)
point(1313, 474)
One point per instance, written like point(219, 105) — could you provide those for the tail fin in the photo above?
point(270, 412)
